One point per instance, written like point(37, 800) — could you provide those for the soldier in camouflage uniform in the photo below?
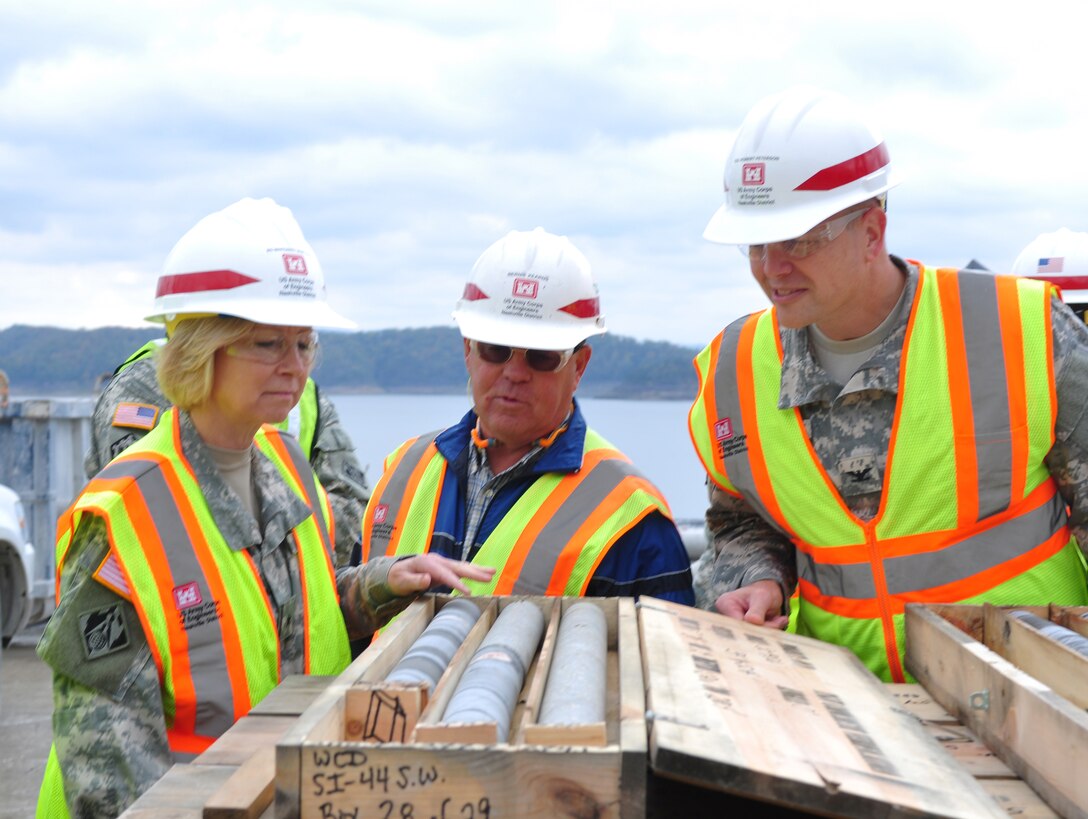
point(332, 452)
point(144, 674)
point(850, 428)
point(806, 185)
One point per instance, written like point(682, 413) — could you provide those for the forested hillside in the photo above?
point(50, 360)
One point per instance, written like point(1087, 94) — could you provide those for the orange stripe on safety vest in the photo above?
point(564, 565)
point(154, 550)
point(232, 640)
point(409, 493)
point(711, 401)
point(391, 464)
point(512, 568)
point(987, 579)
point(1008, 306)
point(963, 417)
point(275, 440)
point(1049, 336)
point(183, 743)
point(747, 402)
point(859, 609)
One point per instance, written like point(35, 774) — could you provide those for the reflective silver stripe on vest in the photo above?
point(536, 571)
point(207, 657)
point(953, 563)
point(309, 485)
point(727, 400)
point(989, 395)
point(393, 496)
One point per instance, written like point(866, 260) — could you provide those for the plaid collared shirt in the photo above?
point(482, 486)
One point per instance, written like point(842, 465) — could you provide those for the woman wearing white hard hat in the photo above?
point(196, 571)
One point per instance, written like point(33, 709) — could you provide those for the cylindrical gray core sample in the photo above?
point(489, 688)
point(575, 691)
point(1059, 634)
point(429, 656)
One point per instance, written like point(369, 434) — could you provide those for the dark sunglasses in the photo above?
point(544, 361)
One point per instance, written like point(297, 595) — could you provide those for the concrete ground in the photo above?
point(26, 707)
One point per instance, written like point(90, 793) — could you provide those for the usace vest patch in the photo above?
point(103, 631)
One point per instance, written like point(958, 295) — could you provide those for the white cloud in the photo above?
point(407, 136)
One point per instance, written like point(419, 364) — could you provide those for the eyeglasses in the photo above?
point(544, 361)
point(272, 349)
point(816, 239)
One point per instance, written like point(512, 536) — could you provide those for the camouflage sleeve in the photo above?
point(1068, 458)
point(137, 384)
point(108, 723)
point(366, 600)
point(337, 468)
point(744, 548)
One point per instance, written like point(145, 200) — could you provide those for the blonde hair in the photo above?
point(186, 363)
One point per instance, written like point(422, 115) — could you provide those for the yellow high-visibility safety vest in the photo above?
point(969, 512)
point(180, 571)
point(535, 548)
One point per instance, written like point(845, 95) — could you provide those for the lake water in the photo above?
point(653, 434)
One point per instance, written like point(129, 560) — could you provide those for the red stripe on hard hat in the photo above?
point(584, 308)
point(1064, 282)
point(848, 171)
point(201, 282)
point(473, 293)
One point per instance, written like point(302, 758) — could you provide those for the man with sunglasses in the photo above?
point(886, 432)
point(521, 483)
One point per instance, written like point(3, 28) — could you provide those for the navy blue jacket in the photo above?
point(648, 559)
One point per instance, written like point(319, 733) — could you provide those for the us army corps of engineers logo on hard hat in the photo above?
point(296, 279)
point(524, 299)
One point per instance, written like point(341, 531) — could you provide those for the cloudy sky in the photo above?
point(407, 136)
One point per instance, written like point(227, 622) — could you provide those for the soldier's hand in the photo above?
point(421, 572)
point(759, 603)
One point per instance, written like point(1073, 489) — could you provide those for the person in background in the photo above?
point(1061, 258)
point(132, 402)
point(5, 387)
point(521, 483)
point(195, 571)
point(885, 432)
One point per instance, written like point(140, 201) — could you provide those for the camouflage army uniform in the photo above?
point(108, 722)
point(332, 457)
point(850, 429)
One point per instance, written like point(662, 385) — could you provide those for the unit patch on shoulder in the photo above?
point(103, 631)
point(136, 416)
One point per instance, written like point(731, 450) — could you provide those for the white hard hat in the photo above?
point(530, 289)
point(800, 157)
point(1060, 257)
point(249, 260)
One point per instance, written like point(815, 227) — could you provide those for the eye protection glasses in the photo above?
point(544, 361)
point(816, 239)
point(272, 349)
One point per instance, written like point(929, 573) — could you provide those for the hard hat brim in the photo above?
point(512, 333)
point(287, 314)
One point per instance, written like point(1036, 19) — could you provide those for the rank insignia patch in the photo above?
point(103, 631)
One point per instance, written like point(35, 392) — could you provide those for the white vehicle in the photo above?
point(16, 563)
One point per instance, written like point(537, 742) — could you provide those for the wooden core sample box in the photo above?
point(366, 747)
point(1021, 692)
point(732, 709)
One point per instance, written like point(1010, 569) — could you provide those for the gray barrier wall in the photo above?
point(42, 442)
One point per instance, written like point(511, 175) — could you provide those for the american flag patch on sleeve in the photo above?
point(137, 416)
point(110, 575)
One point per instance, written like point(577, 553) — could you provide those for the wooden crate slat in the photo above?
point(790, 720)
point(1038, 733)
